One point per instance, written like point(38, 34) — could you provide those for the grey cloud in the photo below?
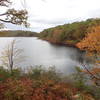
point(94, 13)
point(51, 21)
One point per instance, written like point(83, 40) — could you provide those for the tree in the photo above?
point(18, 17)
point(12, 56)
point(91, 44)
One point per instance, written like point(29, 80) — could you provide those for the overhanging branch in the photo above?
point(7, 21)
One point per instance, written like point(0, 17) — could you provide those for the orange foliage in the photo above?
point(26, 89)
point(91, 43)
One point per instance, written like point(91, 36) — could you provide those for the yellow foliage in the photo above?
point(91, 43)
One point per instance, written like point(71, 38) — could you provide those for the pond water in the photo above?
point(39, 52)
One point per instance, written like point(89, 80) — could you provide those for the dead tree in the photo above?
point(12, 56)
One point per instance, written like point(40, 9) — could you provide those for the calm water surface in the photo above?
point(39, 52)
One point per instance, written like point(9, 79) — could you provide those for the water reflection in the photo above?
point(39, 52)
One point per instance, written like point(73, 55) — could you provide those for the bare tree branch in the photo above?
point(12, 56)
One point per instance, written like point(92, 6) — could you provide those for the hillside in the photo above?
point(69, 34)
point(17, 33)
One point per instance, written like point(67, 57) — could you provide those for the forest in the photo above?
point(71, 33)
point(17, 33)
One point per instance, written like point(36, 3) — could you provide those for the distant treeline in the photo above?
point(70, 33)
point(17, 33)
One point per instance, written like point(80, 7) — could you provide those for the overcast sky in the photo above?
point(49, 13)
